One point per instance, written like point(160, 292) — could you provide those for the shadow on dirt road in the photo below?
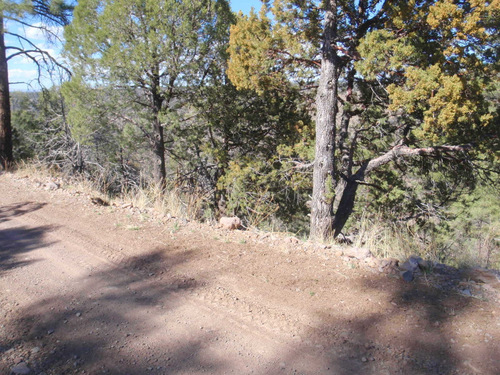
point(142, 316)
point(16, 242)
point(128, 320)
point(116, 323)
point(18, 209)
point(425, 331)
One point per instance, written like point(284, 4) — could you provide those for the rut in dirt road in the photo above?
point(87, 289)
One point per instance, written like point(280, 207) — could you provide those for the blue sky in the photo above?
point(21, 69)
point(245, 5)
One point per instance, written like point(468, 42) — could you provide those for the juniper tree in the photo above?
point(150, 54)
point(393, 80)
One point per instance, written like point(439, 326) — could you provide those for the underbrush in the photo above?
point(172, 201)
point(469, 238)
point(443, 243)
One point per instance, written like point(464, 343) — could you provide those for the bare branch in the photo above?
point(405, 151)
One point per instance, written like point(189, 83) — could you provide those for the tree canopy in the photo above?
point(393, 80)
point(154, 52)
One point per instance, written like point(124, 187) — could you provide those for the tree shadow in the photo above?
point(122, 320)
point(17, 241)
point(18, 209)
point(109, 323)
point(420, 330)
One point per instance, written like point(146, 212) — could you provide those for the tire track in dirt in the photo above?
point(200, 302)
point(220, 299)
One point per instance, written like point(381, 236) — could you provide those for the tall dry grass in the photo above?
point(172, 201)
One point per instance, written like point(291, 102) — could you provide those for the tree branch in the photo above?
point(405, 151)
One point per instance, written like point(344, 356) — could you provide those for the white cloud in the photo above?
point(36, 32)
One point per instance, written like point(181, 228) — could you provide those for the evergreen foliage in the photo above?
point(151, 54)
point(222, 107)
point(397, 80)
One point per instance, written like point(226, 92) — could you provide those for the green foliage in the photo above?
point(243, 148)
point(438, 68)
point(25, 121)
point(40, 129)
point(137, 65)
point(410, 74)
point(49, 11)
point(266, 51)
point(472, 234)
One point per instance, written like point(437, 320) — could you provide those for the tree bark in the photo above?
point(6, 155)
point(160, 167)
point(326, 107)
point(346, 206)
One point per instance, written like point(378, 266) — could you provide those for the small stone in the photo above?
point(35, 350)
point(78, 314)
point(20, 369)
point(230, 223)
point(282, 365)
point(407, 276)
point(466, 292)
point(50, 332)
point(364, 359)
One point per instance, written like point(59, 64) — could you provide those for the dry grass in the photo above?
point(386, 240)
point(171, 202)
point(40, 173)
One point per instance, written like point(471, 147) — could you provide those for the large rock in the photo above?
point(357, 252)
point(407, 276)
point(230, 223)
point(419, 262)
point(409, 266)
point(483, 275)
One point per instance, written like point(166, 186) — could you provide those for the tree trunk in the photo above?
point(348, 189)
point(346, 206)
point(6, 156)
point(326, 107)
point(160, 169)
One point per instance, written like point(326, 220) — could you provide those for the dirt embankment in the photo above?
point(88, 289)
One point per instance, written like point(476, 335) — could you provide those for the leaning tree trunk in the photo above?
point(346, 205)
point(326, 107)
point(6, 156)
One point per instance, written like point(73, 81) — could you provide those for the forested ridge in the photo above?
point(368, 121)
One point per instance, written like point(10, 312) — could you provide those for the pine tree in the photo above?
point(54, 12)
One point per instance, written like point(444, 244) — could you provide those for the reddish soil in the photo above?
point(89, 289)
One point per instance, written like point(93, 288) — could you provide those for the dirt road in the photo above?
point(86, 289)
